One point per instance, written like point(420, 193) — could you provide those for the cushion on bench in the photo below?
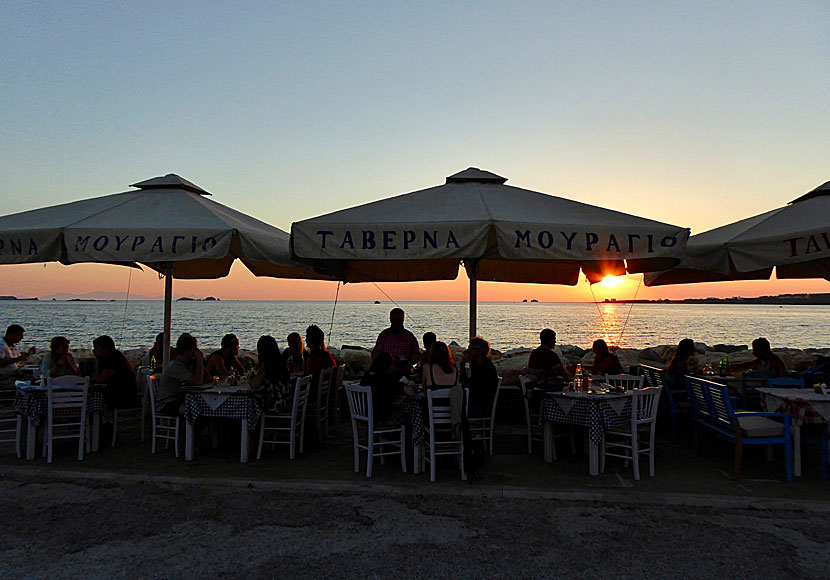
point(760, 427)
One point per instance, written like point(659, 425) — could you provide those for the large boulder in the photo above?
point(509, 368)
point(357, 361)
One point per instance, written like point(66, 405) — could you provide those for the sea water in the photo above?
point(134, 324)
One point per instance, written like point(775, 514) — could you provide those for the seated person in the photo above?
point(428, 339)
point(116, 372)
point(483, 380)
point(605, 363)
point(186, 369)
point(272, 379)
point(766, 362)
point(58, 362)
point(225, 361)
point(10, 357)
point(386, 385)
point(440, 372)
point(544, 363)
point(399, 342)
point(319, 358)
point(156, 354)
point(682, 363)
point(295, 354)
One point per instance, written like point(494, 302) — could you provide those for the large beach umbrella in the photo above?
point(168, 224)
point(794, 239)
point(501, 233)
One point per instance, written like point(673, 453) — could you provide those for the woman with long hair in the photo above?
point(681, 364)
point(271, 378)
point(295, 354)
point(440, 371)
point(116, 372)
point(605, 362)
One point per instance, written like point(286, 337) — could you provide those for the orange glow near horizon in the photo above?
point(42, 280)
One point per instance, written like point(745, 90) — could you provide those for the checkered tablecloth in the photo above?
point(597, 412)
point(232, 406)
point(804, 405)
point(34, 403)
point(416, 409)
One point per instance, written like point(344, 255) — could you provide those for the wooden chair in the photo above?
point(378, 438)
point(442, 441)
point(482, 427)
point(644, 403)
point(289, 427)
point(66, 413)
point(164, 427)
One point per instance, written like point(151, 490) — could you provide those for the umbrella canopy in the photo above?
point(168, 224)
point(794, 239)
point(502, 233)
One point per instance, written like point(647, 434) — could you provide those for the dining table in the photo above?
point(598, 409)
point(804, 405)
point(221, 400)
point(31, 401)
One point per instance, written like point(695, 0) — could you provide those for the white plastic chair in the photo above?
point(335, 396)
point(482, 427)
point(295, 420)
point(643, 421)
point(66, 413)
point(164, 426)
point(441, 439)
point(535, 430)
point(377, 437)
point(628, 382)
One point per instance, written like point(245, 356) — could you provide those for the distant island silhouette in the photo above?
point(801, 299)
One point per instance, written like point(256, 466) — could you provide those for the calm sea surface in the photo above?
point(134, 324)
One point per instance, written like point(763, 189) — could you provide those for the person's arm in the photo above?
point(742, 366)
point(14, 360)
point(378, 345)
point(237, 365)
point(258, 377)
point(70, 362)
point(216, 365)
point(414, 349)
point(198, 378)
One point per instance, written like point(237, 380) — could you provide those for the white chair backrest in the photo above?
point(360, 402)
point(644, 405)
point(325, 382)
point(627, 381)
point(152, 386)
point(523, 382)
point(438, 405)
point(71, 394)
point(301, 390)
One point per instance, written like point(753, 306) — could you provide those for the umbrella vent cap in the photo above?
point(474, 174)
point(823, 189)
point(170, 181)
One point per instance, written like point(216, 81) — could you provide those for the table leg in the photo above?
point(189, 444)
point(96, 430)
point(548, 442)
point(243, 453)
point(593, 458)
point(796, 449)
point(31, 439)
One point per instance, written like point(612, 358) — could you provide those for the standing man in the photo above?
point(10, 357)
point(399, 342)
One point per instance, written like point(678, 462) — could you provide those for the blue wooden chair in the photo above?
point(677, 400)
point(750, 381)
point(785, 382)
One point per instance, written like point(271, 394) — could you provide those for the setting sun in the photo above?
point(611, 281)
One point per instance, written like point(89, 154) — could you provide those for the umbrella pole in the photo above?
point(473, 300)
point(168, 310)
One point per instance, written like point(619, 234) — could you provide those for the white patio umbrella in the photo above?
point(794, 239)
point(501, 233)
point(168, 224)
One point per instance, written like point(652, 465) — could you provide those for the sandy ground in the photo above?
point(98, 529)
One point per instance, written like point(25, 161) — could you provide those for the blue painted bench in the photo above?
point(713, 412)
point(675, 398)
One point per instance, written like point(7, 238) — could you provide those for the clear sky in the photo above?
point(694, 113)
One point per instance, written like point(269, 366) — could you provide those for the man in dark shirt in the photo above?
point(544, 361)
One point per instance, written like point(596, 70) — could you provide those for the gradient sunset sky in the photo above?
point(692, 113)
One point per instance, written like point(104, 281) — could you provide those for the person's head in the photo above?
point(230, 344)
point(14, 334)
point(271, 359)
point(600, 347)
point(295, 342)
point(159, 340)
point(186, 345)
point(547, 337)
point(59, 345)
point(429, 339)
point(314, 337)
point(478, 349)
point(761, 348)
point(685, 349)
point(439, 354)
point(396, 317)
point(382, 364)
point(103, 346)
